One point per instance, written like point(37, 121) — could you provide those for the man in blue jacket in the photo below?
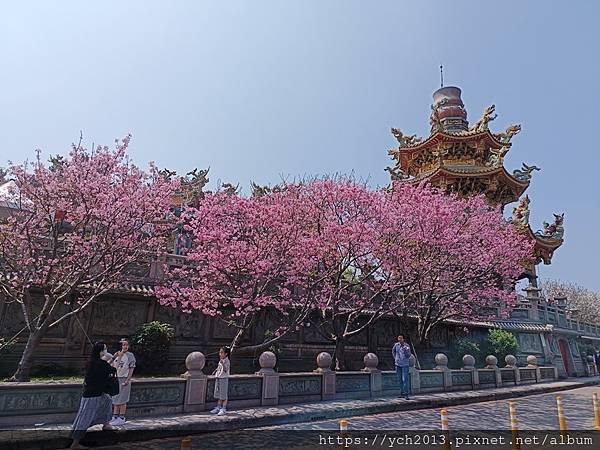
point(401, 355)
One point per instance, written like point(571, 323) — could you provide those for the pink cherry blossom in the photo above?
point(76, 229)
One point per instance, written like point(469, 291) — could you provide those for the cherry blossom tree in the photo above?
point(333, 252)
point(76, 228)
point(465, 257)
point(246, 257)
point(583, 302)
point(351, 288)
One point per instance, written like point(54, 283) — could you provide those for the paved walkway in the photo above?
point(535, 412)
point(143, 429)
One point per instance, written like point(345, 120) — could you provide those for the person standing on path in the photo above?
point(124, 361)
point(95, 405)
point(222, 382)
point(401, 354)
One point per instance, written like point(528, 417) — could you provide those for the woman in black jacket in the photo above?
point(96, 406)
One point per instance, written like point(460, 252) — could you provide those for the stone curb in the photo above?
point(144, 429)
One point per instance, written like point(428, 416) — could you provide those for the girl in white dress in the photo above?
point(222, 382)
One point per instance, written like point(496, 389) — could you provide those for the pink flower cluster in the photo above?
point(78, 223)
point(350, 252)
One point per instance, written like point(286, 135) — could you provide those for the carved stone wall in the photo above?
point(431, 380)
point(26, 403)
point(29, 403)
point(117, 316)
point(462, 378)
point(299, 387)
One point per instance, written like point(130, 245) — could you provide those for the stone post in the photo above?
point(441, 363)
point(511, 363)
point(491, 362)
point(469, 364)
point(328, 376)
point(592, 369)
point(195, 386)
point(532, 364)
point(270, 379)
point(413, 376)
point(371, 361)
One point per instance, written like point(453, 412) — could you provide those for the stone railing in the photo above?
point(31, 403)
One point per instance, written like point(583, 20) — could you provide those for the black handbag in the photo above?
point(112, 385)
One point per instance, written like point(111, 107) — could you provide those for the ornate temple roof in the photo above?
point(546, 240)
point(454, 154)
point(454, 136)
point(469, 160)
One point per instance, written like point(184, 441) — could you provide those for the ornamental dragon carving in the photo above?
point(405, 140)
point(525, 172)
point(508, 134)
point(520, 215)
point(397, 174)
point(434, 119)
point(482, 124)
point(496, 157)
point(553, 230)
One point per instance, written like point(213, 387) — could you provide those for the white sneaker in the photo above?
point(113, 421)
point(118, 422)
point(215, 410)
point(222, 412)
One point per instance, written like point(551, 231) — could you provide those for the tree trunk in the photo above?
point(24, 368)
point(339, 356)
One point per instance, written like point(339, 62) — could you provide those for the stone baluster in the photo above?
point(532, 363)
point(328, 376)
point(469, 364)
point(196, 381)
point(592, 365)
point(441, 363)
point(270, 384)
point(371, 361)
point(491, 362)
point(413, 375)
point(511, 363)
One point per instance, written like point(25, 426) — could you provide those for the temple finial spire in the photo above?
point(441, 76)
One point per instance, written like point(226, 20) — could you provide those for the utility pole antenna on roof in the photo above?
point(441, 76)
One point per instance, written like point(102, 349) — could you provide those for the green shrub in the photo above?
point(462, 347)
point(501, 343)
point(585, 349)
point(150, 344)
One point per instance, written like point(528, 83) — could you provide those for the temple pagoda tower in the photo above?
point(469, 160)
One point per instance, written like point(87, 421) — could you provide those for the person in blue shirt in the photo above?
point(401, 354)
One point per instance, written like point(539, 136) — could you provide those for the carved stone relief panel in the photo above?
point(431, 379)
point(188, 326)
point(352, 383)
point(487, 377)
point(530, 342)
point(298, 386)
point(118, 316)
point(462, 378)
point(312, 335)
point(157, 394)
point(54, 399)
point(12, 320)
point(438, 337)
point(222, 331)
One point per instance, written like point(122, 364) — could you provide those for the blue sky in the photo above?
point(258, 90)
